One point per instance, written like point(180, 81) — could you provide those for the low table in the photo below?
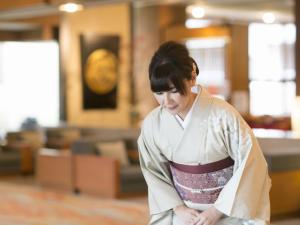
point(54, 169)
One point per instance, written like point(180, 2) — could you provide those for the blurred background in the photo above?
point(246, 51)
point(74, 83)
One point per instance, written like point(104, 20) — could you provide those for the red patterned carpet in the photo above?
point(28, 205)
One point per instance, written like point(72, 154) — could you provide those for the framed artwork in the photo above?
point(99, 76)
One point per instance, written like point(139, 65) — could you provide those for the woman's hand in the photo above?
point(209, 216)
point(187, 215)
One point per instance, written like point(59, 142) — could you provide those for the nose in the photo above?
point(166, 99)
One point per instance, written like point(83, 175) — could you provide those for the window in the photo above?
point(271, 68)
point(29, 83)
point(210, 56)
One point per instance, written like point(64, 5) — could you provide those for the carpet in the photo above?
point(29, 205)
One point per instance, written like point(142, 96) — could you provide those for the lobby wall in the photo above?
point(103, 20)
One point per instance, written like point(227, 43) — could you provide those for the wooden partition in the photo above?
point(285, 193)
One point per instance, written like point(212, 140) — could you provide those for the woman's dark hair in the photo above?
point(171, 64)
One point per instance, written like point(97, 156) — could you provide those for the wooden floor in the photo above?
point(30, 180)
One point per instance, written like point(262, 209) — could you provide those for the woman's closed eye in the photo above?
point(174, 90)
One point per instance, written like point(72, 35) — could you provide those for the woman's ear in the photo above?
point(195, 66)
point(194, 72)
point(192, 81)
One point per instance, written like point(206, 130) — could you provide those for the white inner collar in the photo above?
point(183, 123)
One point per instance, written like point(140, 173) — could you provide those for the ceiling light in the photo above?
point(198, 12)
point(218, 42)
point(269, 17)
point(70, 7)
point(196, 23)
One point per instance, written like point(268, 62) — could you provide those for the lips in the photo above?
point(171, 107)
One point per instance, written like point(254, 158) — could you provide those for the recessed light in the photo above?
point(197, 23)
point(198, 12)
point(269, 17)
point(70, 7)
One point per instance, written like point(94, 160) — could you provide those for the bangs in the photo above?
point(164, 77)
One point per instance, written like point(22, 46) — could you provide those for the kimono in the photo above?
point(215, 132)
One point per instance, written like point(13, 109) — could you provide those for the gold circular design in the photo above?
point(101, 71)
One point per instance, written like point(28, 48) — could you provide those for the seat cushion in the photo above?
point(131, 172)
point(10, 162)
point(9, 158)
point(132, 179)
point(115, 149)
point(84, 147)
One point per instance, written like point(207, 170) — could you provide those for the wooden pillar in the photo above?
point(238, 68)
point(146, 38)
point(47, 33)
point(239, 49)
point(297, 47)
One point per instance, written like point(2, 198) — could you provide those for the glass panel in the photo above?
point(271, 98)
point(209, 53)
point(29, 85)
point(271, 58)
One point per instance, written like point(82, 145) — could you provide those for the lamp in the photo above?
point(196, 11)
point(268, 17)
point(296, 117)
point(70, 7)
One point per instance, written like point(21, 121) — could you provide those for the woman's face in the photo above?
point(174, 102)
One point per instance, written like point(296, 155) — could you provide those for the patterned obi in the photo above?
point(201, 184)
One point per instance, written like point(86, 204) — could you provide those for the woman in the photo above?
point(201, 161)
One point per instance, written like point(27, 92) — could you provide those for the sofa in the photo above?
point(61, 137)
point(18, 152)
point(106, 164)
point(10, 160)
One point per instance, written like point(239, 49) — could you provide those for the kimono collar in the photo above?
point(174, 137)
point(195, 89)
point(199, 108)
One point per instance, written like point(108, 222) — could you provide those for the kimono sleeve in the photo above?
point(246, 195)
point(161, 193)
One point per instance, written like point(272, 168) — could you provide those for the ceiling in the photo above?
point(22, 9)
point(243, 10)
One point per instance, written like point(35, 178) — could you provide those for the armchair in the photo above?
point(61, 137)
point(18, 151)
point(101, 172)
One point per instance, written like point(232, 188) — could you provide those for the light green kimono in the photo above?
point(214, 132)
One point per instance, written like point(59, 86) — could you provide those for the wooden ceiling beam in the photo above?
point(57, 2)
point(16, 4)
point(52, 20)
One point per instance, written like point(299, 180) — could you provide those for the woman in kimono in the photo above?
point(201, 161)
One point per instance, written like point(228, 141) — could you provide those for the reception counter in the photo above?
point(282, 152)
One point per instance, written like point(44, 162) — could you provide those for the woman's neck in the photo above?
point(183, 114)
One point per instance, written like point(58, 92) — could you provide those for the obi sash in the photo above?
point(201, 184)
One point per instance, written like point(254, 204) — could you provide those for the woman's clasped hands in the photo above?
point(193, 217)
